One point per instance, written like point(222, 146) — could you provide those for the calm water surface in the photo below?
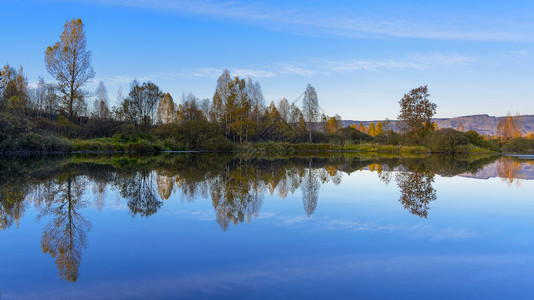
point(222, 226)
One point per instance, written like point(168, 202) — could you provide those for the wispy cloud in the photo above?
point(306, 68)
point(358, 21)
point(312, 67)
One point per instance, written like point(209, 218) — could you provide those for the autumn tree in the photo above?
point(310, 108)
point(460, 127)
point(238, 106)
point(362, 128)
point(372, 130)
point(379, 128)
point(416, 112)
point(14, 97)
point(509, 127)
point(189, 109)
point(69, 62)
point(333, 124)
point(166, 110)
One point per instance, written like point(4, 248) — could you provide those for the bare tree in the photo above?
point(283, 108)
point(140, 106)
point(40, 95)
point(310, 108)
point(220, 99)
point(100, 106)
point(69, 62)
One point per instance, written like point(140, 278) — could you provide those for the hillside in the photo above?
point(483, 124)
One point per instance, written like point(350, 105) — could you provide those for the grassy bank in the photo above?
point(363, 147)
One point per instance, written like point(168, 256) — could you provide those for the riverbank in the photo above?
point(144, 146)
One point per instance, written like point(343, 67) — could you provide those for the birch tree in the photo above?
point(310, 108)
point(100, 106)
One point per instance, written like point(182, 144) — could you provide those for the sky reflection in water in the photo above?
point(225, 226)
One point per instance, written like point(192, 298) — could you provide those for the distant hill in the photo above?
point(483, 124)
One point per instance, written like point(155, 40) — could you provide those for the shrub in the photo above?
point(95, 128)
point(446, 140)
point(354, 134)
point(519, 145)
point(143, 146)
point(388, 138)
point(478, 140)
point(16, 135)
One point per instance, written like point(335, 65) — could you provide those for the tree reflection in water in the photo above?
point(12, 205)
point(310, 191)
point(139, 190)
point(236, 186)
point(509, 171)
point(65, 236)
point(416, 191)
point(236, 195)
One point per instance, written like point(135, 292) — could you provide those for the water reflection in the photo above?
point(310, 191)
point(65, 236)
point(510, 171)
point(139, 190)
point(416, 191)
point(237, 186)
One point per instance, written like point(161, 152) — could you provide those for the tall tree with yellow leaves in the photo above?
point(372, 129)
point(70, 63)
point(166, 112)
point(509, 127)
point(379, 128)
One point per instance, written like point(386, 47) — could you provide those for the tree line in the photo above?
point(237, 112)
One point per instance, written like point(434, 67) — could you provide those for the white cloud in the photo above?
point(307, 68)
point(422, 23)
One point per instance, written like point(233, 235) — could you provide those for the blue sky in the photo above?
point(361, 56)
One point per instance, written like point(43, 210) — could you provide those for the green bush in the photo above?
point(388, 138)
point(519, 145)
point(478, 140)
point(43, 143)
point(446, 140)
point(16, 135)
point(143, 146)
point(353, 134)
point(194, 135)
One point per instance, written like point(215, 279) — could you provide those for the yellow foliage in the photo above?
point(509, 127)
point(332, 171)
point(372, 130)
